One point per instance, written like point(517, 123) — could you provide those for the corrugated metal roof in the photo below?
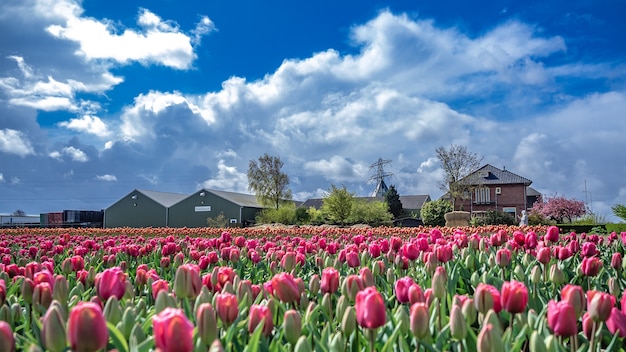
point(491, 175)
point(532, 192)
point(166, 199)
point(243, 200)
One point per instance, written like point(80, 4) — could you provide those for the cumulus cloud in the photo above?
point(88, 124)
point(1, 177)
point(15, 142)
point(228, 178)
point(73, 153)
point(106, 178)
point(157, 41)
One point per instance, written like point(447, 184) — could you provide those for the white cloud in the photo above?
point(138, 119)
point(15, 180)
point(338, 169)
point(1, 177)
point(15, 142)
point(106, 178)
point(157, 42)
point(74, 153)
point(88, 124)
point(228, 178)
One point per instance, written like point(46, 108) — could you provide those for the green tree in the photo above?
point(218, 221)
point(392, 199)
point(432, 213)
point(285, 214)
point(456, 162)
point(337, 205)
point(368, 212)
point(302, 216)
point(619, 210)
point(268, 182)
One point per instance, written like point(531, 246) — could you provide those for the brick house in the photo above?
point(491, 188)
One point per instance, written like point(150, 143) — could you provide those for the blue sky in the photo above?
point(98, 98)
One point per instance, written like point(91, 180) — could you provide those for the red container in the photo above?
point(55, 219)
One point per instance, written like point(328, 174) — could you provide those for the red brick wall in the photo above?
point(512, 195)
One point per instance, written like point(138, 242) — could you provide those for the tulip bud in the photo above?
point(53, 329)
point(391, 275)
point(216, 346)
point(128, 320)
point(403, 319)
point(60, 290)
point(348, 322)
point(28, 286)
point(163, 300)
point(532, 319)
point(292, 326)
point(614, 288)
point(440, 282)
point(311, 314)
point(536, 276)
point(556, 275)
point(66, 266)
point(113, 310)
point(206, 322)
point(86, 328)
point(519, 273)
point(7, 340)
point(536, 343)
point(137, 333)
point(489, 339)
point(458, 325)
point(42, 295)
point(469, 311)
point(599, 305)
point(419, 319)
point(342, 304)
point(314, 285)
point(327, 305)
point(6, 315)
point(337, 343)
point(303, 345)
point(205, 296)
point(227, 308)
point(470, 262)
point(187, 281)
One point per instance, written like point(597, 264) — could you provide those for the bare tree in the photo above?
point(19, 212)
point(268, 182)
point(456, 162)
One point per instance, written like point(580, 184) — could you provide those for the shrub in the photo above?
point(302, 216)
point(218, 221)
point(285, 214)
point(432, 213)
point(369, 212)
point(494, 217)
point(617, 228)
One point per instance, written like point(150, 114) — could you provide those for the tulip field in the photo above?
point(491, 288)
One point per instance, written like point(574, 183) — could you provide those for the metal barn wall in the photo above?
point(139, 212)
point(193, 211)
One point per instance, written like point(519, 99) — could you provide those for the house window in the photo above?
point(482, 195)
point(510, 210)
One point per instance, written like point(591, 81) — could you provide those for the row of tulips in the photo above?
point(498, 289)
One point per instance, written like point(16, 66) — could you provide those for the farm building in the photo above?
point(193, 211)
point(491, 188)
point(141, 208)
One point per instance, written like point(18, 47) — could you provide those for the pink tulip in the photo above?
point(371, 311)
point(562, 318)
point(227, 307)
point(173, 332)
point(330, 280)
point(260, 313)
point(514, 297)
point(111, 282)
point(86, 328)
point(285, 288)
